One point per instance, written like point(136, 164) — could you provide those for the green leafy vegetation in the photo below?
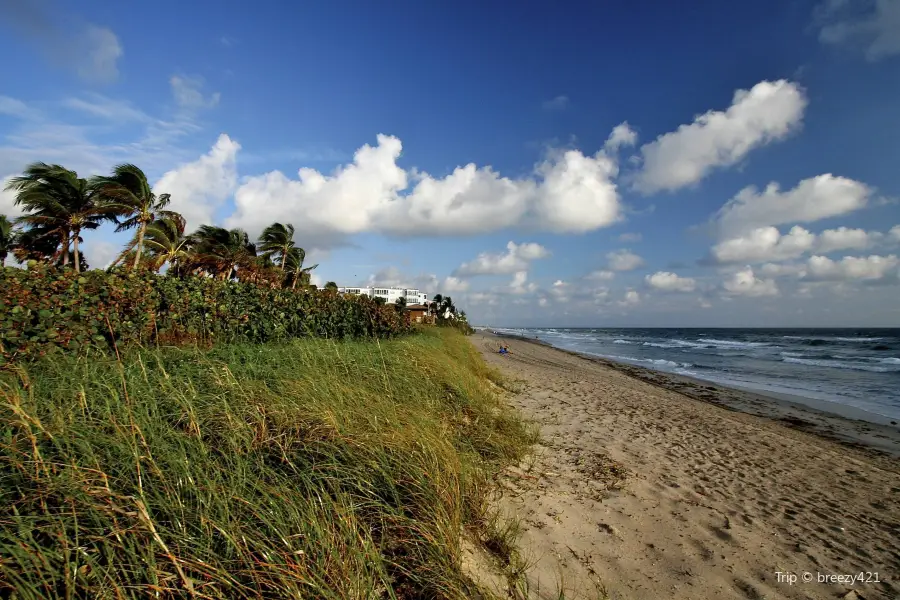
point(309, 469)
point(44, 310)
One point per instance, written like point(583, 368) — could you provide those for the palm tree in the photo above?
point(300, 274)
point(436, 304)
point(59, 205)
point(166, 243)
point(276, 243)
point(446, 307)
point(6, 238)
point(221, 252)
point(129, 192)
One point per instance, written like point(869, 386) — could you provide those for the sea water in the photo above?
point(855, 367)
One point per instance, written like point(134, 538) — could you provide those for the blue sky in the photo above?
point(606, 164)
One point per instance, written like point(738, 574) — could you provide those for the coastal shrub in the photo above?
point(307, 469)
point(460, 325)
point(45, 310)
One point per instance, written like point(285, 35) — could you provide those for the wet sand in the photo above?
point(844, 424)
point(659, 486)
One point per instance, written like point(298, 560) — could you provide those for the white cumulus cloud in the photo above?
point(670, 282)
point(822, 268)
point(560, 290)
point(516, 258)
point(200, 187)
point(520, 284)
point(765, 244)
point(624, 260)
point(570, 192)
point(622, 135)
point(745, 283)
point(813, 199)
point(454, 284)
point(768, 112)
point(630, 298)
point(844, 238)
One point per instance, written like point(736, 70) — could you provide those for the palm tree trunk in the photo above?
point(284, 254)
point(65, 245)
point(140, 244)
point(75, 253)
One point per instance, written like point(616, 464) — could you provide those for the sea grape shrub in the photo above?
point(45, 310)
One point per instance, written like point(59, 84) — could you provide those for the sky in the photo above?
point(610, 164)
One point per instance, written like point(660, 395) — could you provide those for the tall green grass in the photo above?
point(313, 469)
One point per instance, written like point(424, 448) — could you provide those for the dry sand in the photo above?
point(656, 494)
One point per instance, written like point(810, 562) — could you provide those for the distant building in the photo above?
point(390, 294)
point(358, 291)
point(418, 313)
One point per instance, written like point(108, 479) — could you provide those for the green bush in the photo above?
point(45, 310)
point(458, 324)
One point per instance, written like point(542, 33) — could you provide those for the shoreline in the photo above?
point(844, 424)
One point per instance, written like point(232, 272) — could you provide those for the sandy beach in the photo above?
point(656, 486)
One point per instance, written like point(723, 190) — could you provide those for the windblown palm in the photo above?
point(129, 192)
point(276, 243)
point(6, 239)
point(166, 243)
point(221, 251)
point(447, 307)
point(58, 205)
point(295, 258)
point(436, 304)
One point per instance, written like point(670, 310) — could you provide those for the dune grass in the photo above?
point(312, 469)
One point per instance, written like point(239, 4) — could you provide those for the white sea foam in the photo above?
point(833, 338)
point(837, 364)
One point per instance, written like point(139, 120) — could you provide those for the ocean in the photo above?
point(859, 368)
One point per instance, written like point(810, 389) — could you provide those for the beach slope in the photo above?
point(649, 493)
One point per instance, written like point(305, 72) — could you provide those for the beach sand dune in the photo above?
point(657, 495)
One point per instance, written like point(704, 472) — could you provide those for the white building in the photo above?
point(390, 294)
point(356, 291)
